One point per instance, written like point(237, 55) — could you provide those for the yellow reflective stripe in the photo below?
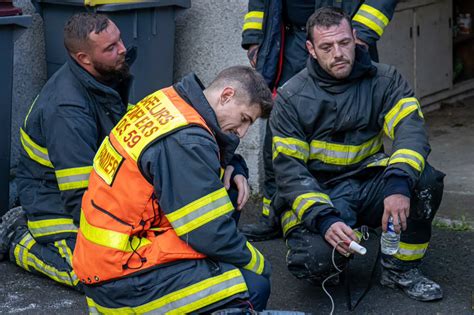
point(376, 13)
point(186, 300)
point(342, 154)
point(66, 254)
point(29, 260)
point(408, 252)
point(254, 14)
point(305, 201)
point(130, 106)
point(257, 261)
point(73, 178)
point(35, 152)
point(372, 18)
point(64, 251)
point(19, 252)
point(288, 221)
point(51, 226)
point(291, 147)
point(253, 26)
point(402, 109)
point(266, 207)
point(112, 239)
point(382, 162)
point(410, 157)
point(200, 212)
point(253, 20)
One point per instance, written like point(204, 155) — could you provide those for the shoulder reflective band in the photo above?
point(372, 18)
point(253, 20)
point(291, 147)
point(402, 109)
point(344, 154)
point(73, 178)
point(200, 212)
point(410, 157)
point(36, 152)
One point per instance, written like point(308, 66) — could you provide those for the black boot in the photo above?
point(411, 281)
point(261, 231)
point(10, 221)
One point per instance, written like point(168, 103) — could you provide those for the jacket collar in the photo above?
point(362, 67)
point(101, 92)
point(191, 89)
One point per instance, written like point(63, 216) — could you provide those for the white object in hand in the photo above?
point(357, 248)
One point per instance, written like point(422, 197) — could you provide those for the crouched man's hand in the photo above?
point(340, 235)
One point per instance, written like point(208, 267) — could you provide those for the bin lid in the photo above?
point(121, 5)
point(18, 20)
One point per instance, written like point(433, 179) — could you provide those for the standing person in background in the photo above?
point(74, 112)
point(274, 35)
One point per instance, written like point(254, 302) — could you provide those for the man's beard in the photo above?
point(110, 75)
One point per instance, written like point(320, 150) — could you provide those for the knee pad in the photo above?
point(427, 194)
point(310, 256)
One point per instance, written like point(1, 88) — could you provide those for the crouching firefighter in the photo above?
point(331, 169)
point(156, 231)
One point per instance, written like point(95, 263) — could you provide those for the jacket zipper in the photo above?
point(111, 215)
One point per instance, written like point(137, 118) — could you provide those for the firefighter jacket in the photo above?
point(326, 129)
point(263, 26)
point(155, 194)
point(61, 133)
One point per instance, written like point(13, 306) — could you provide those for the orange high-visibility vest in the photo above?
point(122, 228)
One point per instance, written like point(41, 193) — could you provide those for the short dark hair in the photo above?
point(326, 17)
point(249, 84)
point(78, 28)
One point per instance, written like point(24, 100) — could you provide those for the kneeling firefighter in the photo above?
point(157, 232)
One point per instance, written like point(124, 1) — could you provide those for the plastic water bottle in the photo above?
point(390, 240)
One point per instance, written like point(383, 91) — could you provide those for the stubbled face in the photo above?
point(107, 53)
point(334, 49)
point(236, 116)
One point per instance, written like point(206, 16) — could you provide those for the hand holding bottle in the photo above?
point(398, 207)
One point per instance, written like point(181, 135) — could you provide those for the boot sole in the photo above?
point(395, 286)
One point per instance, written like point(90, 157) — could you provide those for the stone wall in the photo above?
point(208, 37)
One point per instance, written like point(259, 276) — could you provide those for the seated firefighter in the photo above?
point(73, 113)
point(157, 232)
point(330, 166)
